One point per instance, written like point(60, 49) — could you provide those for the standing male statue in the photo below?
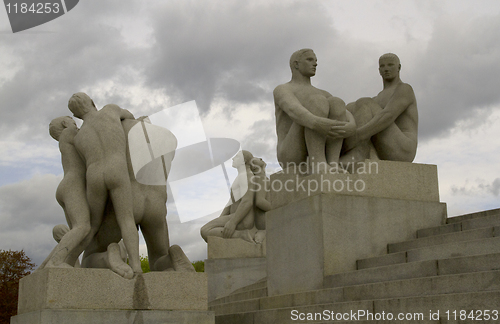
point(387, 125)
point(310, 123)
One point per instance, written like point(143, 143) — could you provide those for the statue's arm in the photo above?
point(288, 102)
point(115, 109)
point(402, 98)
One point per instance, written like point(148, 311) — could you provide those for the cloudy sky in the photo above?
point(146, 56)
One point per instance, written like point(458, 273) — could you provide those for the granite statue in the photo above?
point(102, 200)
point(149, 210)
point(237, 218)
point(102, 144)
point(310, 123)
point(71, 195)
point(387, 125)
point(262, 202)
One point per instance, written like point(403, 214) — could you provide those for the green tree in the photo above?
point(199, 266)
point(13, 266)
point(144, 264)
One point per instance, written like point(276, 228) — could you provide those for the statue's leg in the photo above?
point(121, 197)
point(292, 149)
point(316, 142)
point(333, 146)
point(214, 227)
point(394, 145)
point(155, 231)
point(103, 251)
point(363, 111)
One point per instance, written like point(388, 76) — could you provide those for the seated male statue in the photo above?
point(387, 124)
point(310, 123)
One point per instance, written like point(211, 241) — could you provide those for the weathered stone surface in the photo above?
point(94, 316)
point(228, 275)
point(102, 289)
point(382, 179)
point(325, 234)
point(219, 248)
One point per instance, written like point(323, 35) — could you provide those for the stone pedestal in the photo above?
point(233, 264)
point(77, 296)
point(316, 229)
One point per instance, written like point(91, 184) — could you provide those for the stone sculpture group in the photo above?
point(103, 202)
point(319, 129)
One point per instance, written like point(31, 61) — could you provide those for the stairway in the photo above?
point(450, 268)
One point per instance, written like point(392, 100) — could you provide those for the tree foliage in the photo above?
point(199, 266)
point(13, 266)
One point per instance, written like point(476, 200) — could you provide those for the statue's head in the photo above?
point(257, 165)
point(304, 61)
point(389, 66)
point(80, 104)
point(242, 157)
point(57, 125)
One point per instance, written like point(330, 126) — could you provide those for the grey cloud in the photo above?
point(458, 72)
point(229, 48)
point(28, 211)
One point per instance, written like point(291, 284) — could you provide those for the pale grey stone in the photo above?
point(219, 248)
point(305, 242)
point(78, 316)
point(228, 275)
point(244, 215)
point(58, 288)
point(384, 179)
point(310, 122)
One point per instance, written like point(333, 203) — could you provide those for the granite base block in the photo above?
point(78, 316)
point(102, 289)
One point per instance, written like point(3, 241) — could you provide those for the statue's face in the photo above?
point(238, 159)
point(307, 64)
point(388, 68)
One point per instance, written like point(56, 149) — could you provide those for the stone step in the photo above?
point(456, 219)
point(417, 306)
point(429, 268)
point(257, 285)
point(435, 252)
point(455, 224)
point(249, 294)
point(455, 249)
point(470, 235)
point(437, 285)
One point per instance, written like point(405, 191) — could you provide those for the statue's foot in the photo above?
point(180, 260)
point(117, 264)
point(260, 236)
point(244, 235)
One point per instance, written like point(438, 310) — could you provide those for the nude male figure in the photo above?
point(70, 194)
point(310, 123)
point(388, 123)
point(102, 144)
point(149, 209)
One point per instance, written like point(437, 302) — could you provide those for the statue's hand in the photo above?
point(229, 229)
point(324, 126)
point(342, 129)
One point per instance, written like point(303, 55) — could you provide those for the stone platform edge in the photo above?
point(102, 289)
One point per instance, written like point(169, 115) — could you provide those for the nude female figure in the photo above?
point(237, 218)
point(71, 195)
